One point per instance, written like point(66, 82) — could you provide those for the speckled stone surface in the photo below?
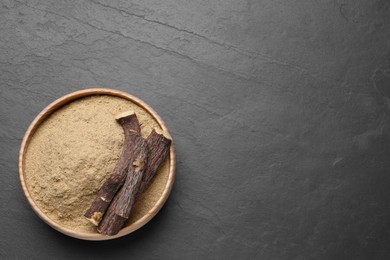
point(279, 110)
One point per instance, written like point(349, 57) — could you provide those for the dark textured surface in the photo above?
point(280, 113)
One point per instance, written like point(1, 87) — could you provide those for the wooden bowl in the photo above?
point(58, 104)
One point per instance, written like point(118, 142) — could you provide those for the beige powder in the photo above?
point(74, 151)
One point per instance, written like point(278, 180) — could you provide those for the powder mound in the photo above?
point(75, 150)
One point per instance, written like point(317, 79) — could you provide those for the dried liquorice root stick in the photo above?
point(119, 210)
point(159, 147)
point(131, 128)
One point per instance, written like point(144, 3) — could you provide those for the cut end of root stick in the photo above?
point(124, 114)
point(96, 217)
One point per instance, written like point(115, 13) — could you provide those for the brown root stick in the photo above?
point(120, 207)
point(131, 128)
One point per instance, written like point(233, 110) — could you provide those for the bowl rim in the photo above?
point(57, 104)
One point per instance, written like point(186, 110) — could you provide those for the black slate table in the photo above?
point(280, 112)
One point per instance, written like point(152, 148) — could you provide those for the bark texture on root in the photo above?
point(131, 128)
point(159, 148)
point(120, 208)
point(137, 181)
